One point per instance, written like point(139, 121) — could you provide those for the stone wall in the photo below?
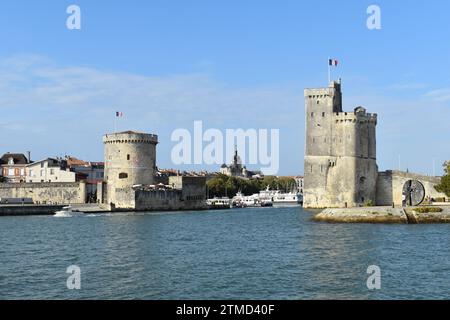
point(194, 188)
point(129, 199)
point(390, 186)
point(46, 193)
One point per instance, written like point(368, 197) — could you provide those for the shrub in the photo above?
point(428, 210)
point(369, 204)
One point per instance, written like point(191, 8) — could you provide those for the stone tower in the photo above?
point(340, 151)
point(130, 159)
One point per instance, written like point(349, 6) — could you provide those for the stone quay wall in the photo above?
point(55, 193)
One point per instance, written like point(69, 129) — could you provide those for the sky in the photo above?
point(230, 64)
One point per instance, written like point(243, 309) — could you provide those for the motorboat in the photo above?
point(68, 212)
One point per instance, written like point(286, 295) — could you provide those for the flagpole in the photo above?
point(115, 123)
point(329, 71)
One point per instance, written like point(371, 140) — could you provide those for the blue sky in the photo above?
point(231, 64)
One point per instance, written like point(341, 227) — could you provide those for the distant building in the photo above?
point(300, 182)
point(13, 167)
point(51, 170)
point(93, 172)
point(236, 169)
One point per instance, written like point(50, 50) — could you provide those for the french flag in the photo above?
point(119, 114)
point(333, 62)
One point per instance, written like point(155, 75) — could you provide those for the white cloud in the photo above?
point(440, 95)
point(74, 105)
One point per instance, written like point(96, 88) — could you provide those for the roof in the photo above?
point(72, 161)
point(19, 158)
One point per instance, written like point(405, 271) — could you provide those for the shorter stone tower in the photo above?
point(130, 159)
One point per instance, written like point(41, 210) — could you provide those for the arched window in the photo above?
point(123, 175)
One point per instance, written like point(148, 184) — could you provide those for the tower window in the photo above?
point(123, 175)
point(323, 114)
point(128, 157)
point(312, 114)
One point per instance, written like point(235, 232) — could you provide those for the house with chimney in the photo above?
point(13, 167)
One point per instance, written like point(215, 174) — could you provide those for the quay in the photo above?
point(45, 210)
point(387, 215)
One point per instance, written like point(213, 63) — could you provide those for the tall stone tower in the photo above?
point(340, 151)
point(130, 159)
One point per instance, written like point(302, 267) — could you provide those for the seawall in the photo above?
point(28, 210)
point(387, 215)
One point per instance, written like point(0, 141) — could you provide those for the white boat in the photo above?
point(219, 203)
point(68, 212)
point(242, 201)
point(281, 198)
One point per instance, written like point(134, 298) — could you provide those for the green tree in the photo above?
point(444, 186)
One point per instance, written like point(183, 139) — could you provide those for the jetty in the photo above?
point(387, 215)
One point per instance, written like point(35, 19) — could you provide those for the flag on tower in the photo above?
point(119, 114)
point(333, 62)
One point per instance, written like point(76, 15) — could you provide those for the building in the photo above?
point(133, 183)
point(13, 167)
point(236, 169)
point(51, 170)
point(340, 151)
point(341, 159)
point(300, 183)
point(130, 160)
point(92, 171)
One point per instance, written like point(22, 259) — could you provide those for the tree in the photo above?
point(222, 185)
point(444, 186)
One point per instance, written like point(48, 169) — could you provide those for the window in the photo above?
point(31, 173)
point(22, 172)
point(312, 114)
point(123, 175)
point(128, 157)
point(323, 114)
point(10, 172)
point(52, 171)
point(42, 164)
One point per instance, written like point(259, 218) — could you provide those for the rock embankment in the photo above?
point(382, 215)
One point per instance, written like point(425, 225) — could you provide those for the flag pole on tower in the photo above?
point(331, 63)
point(119, 114)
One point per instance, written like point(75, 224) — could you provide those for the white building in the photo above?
point(49, 170)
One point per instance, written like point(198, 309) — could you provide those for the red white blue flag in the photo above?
point(333, 62)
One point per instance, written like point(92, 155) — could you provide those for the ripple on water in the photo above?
point(270, 253)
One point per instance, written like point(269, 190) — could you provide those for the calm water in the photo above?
point(265, 253)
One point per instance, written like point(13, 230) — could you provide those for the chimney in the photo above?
point(29, 156)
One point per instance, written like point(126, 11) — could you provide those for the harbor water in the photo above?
point(257, 253)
